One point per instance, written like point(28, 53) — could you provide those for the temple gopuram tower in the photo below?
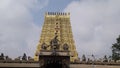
point(57, 24)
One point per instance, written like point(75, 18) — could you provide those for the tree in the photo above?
point(88, 60)
point(83, 58)
point(2, 56)
point(110, 58)
point(116, 50)
point(105, 59)
point(24, 57)
point(6, 57)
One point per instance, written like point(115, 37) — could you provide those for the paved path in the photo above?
point(92, 66)
point(36, 65)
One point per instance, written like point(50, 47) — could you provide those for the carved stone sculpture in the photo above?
point(65, 46)
point(44, 46)
point(54, 43)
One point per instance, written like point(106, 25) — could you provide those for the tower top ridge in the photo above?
point(57, 13)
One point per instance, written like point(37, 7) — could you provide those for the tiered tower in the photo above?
point(57, 23)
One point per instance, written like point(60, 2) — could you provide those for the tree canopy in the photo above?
point(116, 50)
point(83, 58)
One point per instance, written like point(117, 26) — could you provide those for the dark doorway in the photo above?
point(54, 65)
point(51, 61)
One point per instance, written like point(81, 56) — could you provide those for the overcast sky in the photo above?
point(95, 24)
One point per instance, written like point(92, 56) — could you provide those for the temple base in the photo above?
point(54, 60)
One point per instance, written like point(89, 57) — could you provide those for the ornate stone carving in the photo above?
point(65, 46)
point(57, 24)
point(44, 46)
point(54, 43)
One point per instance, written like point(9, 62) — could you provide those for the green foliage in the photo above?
point(24, 57)
point(83, 58)
point(116, 50)
point(105, 59)
point(2, 56)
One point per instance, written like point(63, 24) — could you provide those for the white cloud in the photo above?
point(95, 25)
point(18, 32)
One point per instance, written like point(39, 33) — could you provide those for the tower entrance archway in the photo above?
point(54, 65)
point(54, 61)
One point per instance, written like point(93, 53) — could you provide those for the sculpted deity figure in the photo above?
point(54, 43)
